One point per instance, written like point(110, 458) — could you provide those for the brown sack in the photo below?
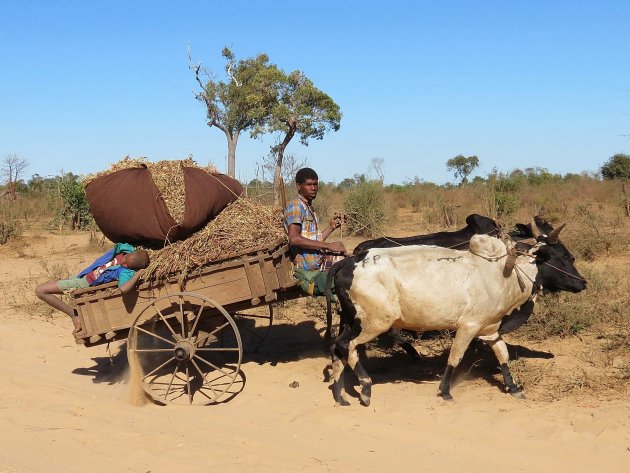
point(128, 207)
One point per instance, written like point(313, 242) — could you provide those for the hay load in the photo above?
point(141, 202)
point(243, 224)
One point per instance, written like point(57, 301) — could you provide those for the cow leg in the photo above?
point(404, 344)
point(339, 355)
point(501, 352)
point(463, 337)
point(364, 378)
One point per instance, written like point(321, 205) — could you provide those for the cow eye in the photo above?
point(572, 259)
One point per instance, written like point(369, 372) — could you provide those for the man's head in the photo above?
point(138, 259)
point(307, 182)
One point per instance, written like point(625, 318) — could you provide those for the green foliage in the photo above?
point(617, 167)
point(75, 209)
point(506, 203)
point(303, 109)
point(365, 208)
point(246, 98)
point(38, 185)
point(462, 166)
point(242, 102)
point(346, 183)
point(502, 193)
point(9, 230)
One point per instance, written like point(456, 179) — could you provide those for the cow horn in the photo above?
point(535, 230)
point(553, 235)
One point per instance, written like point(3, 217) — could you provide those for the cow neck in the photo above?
point(526, 269)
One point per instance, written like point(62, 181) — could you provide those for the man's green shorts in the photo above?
point(313, 283)
point(72, 284)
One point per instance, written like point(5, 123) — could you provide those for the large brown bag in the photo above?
point(128, 207)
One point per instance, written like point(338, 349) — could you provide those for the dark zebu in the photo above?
point(475, 225)
point(429, 288)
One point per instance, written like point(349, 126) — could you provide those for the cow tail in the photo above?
point(330, 279)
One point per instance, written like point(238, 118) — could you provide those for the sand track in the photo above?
point(66, 408)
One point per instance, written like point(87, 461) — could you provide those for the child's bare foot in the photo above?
point(77, 324)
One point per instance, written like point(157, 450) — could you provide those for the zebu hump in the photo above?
point(487, 246)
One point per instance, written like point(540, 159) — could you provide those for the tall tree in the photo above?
point(11, 170)
point(462, 166)
point(243, 101)
point(304, 110)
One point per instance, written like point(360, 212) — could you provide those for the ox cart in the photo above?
point(186, 347)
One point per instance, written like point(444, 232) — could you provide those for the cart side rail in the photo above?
point(248, 278)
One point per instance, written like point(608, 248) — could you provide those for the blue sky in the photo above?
point(519, 83)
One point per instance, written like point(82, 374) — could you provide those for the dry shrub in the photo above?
point(9, 230)
point(19, 296)
point(243, 224)
point(55, 271)
point(365, 208)
point(594, 233)
point(562, 314)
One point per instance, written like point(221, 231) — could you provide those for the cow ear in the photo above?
point(523, 229)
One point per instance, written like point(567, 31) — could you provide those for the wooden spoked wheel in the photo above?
point(185, 349)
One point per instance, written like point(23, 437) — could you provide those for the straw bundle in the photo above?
point(167, 176)
point(125, 163)
point(243, 224)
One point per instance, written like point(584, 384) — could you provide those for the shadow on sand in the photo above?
point(287, 342)
point(108, 369)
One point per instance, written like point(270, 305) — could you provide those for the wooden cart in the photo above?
point(187, 347)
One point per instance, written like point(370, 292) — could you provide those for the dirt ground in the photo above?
point(64, 407)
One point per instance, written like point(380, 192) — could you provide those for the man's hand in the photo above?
point(336, 247)
point(338, 220)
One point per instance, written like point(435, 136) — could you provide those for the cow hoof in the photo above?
point(518, 395)
point(342, 403)
point(327, 372)
point(446, 396)
point(365, 400)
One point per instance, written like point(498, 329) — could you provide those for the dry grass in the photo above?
point(167, 176)
point(243, 224)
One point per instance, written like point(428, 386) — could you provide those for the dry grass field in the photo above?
point(69, 408)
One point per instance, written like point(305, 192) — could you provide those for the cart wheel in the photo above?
point(186, 349)
point(254, 328)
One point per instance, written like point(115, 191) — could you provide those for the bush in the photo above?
point(76, 209)
point(365, 208)
point(502, 195)
point(9, 230)
point(563, 313)
point(617, 167)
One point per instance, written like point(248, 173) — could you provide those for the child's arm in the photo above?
point(129, 285)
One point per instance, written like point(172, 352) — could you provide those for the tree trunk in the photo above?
point(232, 140)
point(277, 178)
point(277, 175)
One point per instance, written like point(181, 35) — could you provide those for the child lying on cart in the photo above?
point(122, 263)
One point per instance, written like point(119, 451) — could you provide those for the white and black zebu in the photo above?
point(430, 288)
point(475, 225)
